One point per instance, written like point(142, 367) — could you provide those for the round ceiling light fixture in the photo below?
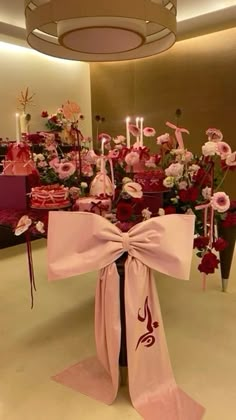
point(89, 30)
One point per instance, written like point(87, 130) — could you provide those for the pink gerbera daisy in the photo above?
point(224, 149)
point(220, 202)
point(65, 170)
point(149, 132)
point(104, 136)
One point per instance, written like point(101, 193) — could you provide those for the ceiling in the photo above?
point(195, 17)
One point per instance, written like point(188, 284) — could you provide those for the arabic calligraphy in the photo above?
point(147, 339)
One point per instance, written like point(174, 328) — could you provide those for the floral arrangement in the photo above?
point(66, 118)
point(183, 182)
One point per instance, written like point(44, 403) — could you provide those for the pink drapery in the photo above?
point(83, 242)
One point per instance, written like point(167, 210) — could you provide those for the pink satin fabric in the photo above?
point(84, 242)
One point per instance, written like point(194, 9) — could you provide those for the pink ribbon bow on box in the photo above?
point(178, 133)
point(150, 245)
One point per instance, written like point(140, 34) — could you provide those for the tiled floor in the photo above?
point(58, 332)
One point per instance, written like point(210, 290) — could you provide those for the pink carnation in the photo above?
point(214, 134)
point(164, 138)
point(54, 163)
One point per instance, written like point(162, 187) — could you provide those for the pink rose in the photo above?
point(132, 158)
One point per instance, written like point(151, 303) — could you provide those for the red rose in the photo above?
point(124, 211)
point(202, 177)
point(191, 194)
point(209, 263)
point(44, 114)
point(170, 210)
point(220, 244)
point(230, 220)
point(201, 242)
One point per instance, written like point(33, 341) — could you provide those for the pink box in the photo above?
point(13, 190)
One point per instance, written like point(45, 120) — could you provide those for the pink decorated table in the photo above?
point(89, 242)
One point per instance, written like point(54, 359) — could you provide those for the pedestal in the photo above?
point(123, 363)
point(13, 192)
point(226, 256)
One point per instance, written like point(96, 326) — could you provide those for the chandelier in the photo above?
point(105, 30)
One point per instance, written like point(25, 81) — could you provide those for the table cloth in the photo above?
point(83, 242)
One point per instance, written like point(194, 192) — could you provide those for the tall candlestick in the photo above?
point(141, 132)
point(18, 133)
point(137, 125)
point(103, 142)
point(127, 132)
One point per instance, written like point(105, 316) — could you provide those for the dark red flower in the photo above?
point(200, 242)
point(170, 210)
point(44, 114)
point(230, 220)
point(191, 194)
point(202, 178)
point(124, 211)
point(125, 226)
point(220, 244)
point(209, 263)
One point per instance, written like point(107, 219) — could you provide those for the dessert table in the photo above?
point(89, 242)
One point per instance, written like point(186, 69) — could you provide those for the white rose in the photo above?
point(206, 193)
point(210, 149)
point(161, 212)
point(146, 213)
point(183, 185)
point(175, 170)
point(194, 168)
point(169, 182)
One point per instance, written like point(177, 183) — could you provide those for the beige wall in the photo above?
point(53, 81)
point(196, 75)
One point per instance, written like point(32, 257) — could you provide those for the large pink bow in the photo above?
point(178, 133)
point(89, 242)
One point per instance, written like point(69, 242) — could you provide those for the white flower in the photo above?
point(189, 211)
point(175, 169)
point(146, 213)
point(161, 212)
point(169, 182)
point(83, 184)
point(164, 138)
point(23, 225)
point(40, 227)
point(133, 189)
point(210, 149)
point(220, 202)
point(119, 139)
point(193, 168)
point(126, 179)
point(206, 193)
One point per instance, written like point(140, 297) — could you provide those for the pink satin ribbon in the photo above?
point(178, 133)
point(208, 231)
point(88, 243)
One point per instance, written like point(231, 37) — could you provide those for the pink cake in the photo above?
point(151, 181)
point(50, 196)
point(100, 206)
point(18, 160)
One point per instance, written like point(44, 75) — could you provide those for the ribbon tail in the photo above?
point(98, 377)
point(153, 390)
point(179, 139)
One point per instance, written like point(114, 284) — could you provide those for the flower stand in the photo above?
point(226, 256)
